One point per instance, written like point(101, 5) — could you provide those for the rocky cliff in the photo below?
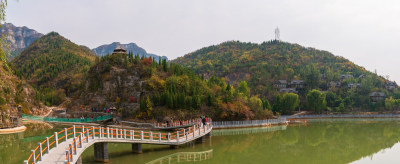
point(109, 48)
point(111, 83)
point(18, 38)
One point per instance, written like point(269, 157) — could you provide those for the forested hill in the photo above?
point(263, 64)
point(266, 62)
point(53, 62)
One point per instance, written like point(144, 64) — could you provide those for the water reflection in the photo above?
point(184, 157)
point(320, 141)
point(14, 148)
point(241, 131)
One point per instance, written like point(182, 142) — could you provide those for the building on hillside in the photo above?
point(288, 90)
point(391, 85)
point(334, 84)
point(344, 77)
point(297, 84)
point(354, 85)
point(377, 96)
point(119, 50)
point(280, 84)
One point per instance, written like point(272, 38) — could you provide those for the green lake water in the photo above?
point(319, 141)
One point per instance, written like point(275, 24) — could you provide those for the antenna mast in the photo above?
point(277, 34)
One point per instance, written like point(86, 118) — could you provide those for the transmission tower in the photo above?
point(277, 34)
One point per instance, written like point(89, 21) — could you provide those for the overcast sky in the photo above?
point(366, 32)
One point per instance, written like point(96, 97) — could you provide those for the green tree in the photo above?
point(316, 101)
point(390, 103)
point(244, 89)
point(148, 105)
point(290, 101)
point(266, 104)
point(312, 76)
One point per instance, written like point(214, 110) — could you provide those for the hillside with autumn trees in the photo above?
point(143, 88)
point(54, 66)
point(263, 65)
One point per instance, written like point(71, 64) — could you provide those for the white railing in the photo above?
point(89, 135)
point(248, 123)
point(175, 124)
point(347, 116)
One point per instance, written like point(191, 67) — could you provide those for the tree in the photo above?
point(266, 104)
point(312, 76)
point(316, 101)
point(149, 108)
point(244, 89)
point(390, 103)
point(290, 101)
point(331, 99)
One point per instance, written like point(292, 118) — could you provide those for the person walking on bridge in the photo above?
point(203, 121)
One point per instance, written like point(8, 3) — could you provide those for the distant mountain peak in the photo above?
point(18, 38)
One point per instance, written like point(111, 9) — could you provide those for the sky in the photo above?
point(364, 31)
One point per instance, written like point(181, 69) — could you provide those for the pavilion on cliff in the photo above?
point(119, 50)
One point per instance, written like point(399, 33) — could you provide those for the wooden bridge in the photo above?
point(67, 145)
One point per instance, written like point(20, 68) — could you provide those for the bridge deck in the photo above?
point(92, 135)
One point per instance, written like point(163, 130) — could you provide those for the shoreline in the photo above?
point(13, 130)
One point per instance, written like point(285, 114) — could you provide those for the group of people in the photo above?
point(204, 120)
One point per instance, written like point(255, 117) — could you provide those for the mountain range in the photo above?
point(135, 49)
point(18, 38)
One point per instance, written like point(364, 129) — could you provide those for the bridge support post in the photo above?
point(56, 139)
point(93, 132)
point(40, 152)
point(101, 152)
point(208, 135)
point(137, 148)
point(201, 139)
point(100, 132)
point(74, 131)
point(108, 132)
point(33, 157)
point(65, 134)
point(47, 145)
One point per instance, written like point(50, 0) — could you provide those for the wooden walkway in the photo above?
point(66, 146)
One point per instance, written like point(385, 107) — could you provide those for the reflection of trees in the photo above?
point(184, 157)
point(290, 136)
point(318, 142)
point(315, 136)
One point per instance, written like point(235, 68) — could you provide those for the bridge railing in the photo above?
point(176, 123)
point(91, 133)
point(247, 123)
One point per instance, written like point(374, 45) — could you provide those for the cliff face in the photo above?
point(109, 48)
point(112, 84)
point(18, 38)
point(14, 92)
